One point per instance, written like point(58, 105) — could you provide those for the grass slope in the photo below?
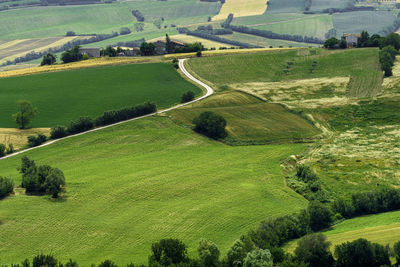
point(133, 184)
point(64, 96)
point(240, 8)
point(361, 65)
point(250, 120)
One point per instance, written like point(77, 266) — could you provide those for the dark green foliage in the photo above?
point(71, 263)
point(332, 43)
point(387, 56)
point(396, 250)
point(124, 30)
point(361, 253)
point(107, 263)
point(237, 253)
point(320, 216)
point(58, 132)
point(6, 187)
point(147, 49)
point(228, 21)
point(363, 41)
point(208, 253)
point(198, 54)
point(188, 96)
point(41, 180)
point(167, 252)
point(48, 59)
point(10, 149)
point(110, 51)
point(44, 261)
point(72, 55)
point(314, 250)
point(188, 48)
point(25, 114)
point(81, 125)
point(343, 207)
point(258, 258)
point(343, 44)
point(168, 45)
point(382, 200)
point(210, 124)
point(36, 140)
point(3, 150)
point(392, 39)
point(114, 116)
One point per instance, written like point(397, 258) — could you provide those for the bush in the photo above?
point(2, 150)
point(314, 250)
point(187, 97)
point(258, 257)
point(210, 124)
point(168, 252)
point(10, 149)
point(6, 187)
point(36, 140)
point(81, 125)
point(71, 55)
point(44, 260)
point(58, 132)
point(320, 216)
point(208, 253)
point(124, 30)
point(48, 59)
point(107, 263)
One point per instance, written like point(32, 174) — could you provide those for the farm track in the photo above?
point(209, 91)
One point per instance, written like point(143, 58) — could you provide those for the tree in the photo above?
point(72, 55)
point(110, 51)
point(396, 250)
point(188, 96)
point(331, 43)
point(363, 40)
point(258, 258)
point(314, 250)
point(6, 187)
point(168, 45)
point(236, 254)
point(124, 30)
point(361, 253)
point(147, 49)
point(25, 114)
point(387, 69)
point(48, 59)
point(392, 39)
point(208, 253)
point(54, 182)
point(320, 216)
point(44, 260)
point(2, 150)
point(167, 252)
point(343, 44)
point(210, 124)
point(107, 263)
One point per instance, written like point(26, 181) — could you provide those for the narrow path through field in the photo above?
point(209, 91)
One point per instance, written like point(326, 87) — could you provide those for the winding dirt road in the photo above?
point(209, 91)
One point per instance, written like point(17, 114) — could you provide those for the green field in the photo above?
point(285, 6)
point(64, 96)
point(250, 120)
point(361, 65)
point(135, 183)
point(381, 228)
point(104, 18)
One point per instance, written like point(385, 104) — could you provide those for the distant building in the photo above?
point(351, 39)
point(161, 46)
point(91, 51)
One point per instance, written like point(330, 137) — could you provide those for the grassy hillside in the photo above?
point(381, 228)
point(133, 184)
point(240, 8)
point(250, 120)
point(64, 96)
point(53, 21)
point(361, 65)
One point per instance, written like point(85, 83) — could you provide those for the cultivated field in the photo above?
point(285, 6)
point(64, 96)
point(240, 8)
point(116, 205)
point(18, 138)
point(192, 39)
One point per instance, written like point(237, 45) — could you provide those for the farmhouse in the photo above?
point(91, 51)
point(351, 39)
point(161, 46)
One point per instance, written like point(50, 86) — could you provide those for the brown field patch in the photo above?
point(17, 137)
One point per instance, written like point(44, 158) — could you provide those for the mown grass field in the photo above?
point(250, 120)
point(192, 39)
point(381, 228)
point(64, 96)
point(240, 8)
point(104, 18)
point(285, 6)
point(361, 65)
point(135, 183)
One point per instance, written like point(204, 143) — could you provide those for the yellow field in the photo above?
point(241, 8)
point(18, 48)
point(192, 39)
point(95, 62)
point(18, 138)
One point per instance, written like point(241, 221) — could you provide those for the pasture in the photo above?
point(285, 6)
point(241, 8)
point(64, 96)
point(361, 65)
point(135, 183)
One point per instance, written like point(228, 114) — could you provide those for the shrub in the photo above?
point(58, 132)
point(81, 125)
point(187, 97)
point(208, 253)
point(72, 55)
point(314, 250)
point(258, 257)
point(6, 187)
point(124, 30)
point(396, 250)
point(36, 140)
point(210, 124)
point(107, 263)
point(44, 260)
point(168, 252)
point(10, 149)
point(2, 150)
point(198, 54)
point(48, 59)
point(320, 216)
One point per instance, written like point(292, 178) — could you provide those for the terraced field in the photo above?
point(9, 50)
point(241, 8)
point(64, 96)
point(116, 205)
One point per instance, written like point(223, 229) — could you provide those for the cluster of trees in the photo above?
point(36, 140)
point(333, 43)
point(147, 49)
point(6, 149)
point(387, 56)
point(209, 29)
point(109, 117)
point(187, 97)
point(48, 59)
point(138, 15)
point(210, 124)
point(41, 180)
point(228, 21)
point(273, 35)
point(72, 55)
point(6, 187)
point(190, 47)
point(124, 30)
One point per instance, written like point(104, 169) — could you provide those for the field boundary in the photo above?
point(209, 91)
